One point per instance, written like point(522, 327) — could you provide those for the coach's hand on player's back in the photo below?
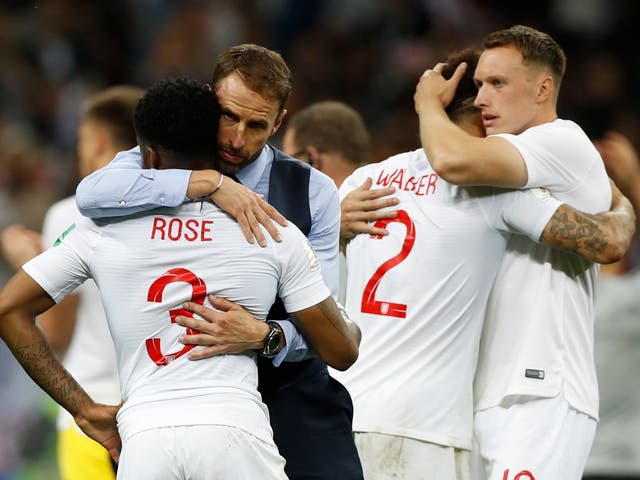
point(227, 329)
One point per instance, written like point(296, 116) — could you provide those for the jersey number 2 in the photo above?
point(369, 302)
point(198, 293)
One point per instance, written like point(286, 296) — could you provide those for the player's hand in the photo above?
point(99, 422)
point(433, 87)
point(364, 205)
point(250, 210)
point(19, 244)
point(228, 329)
point(621, 205)
point(621, 160)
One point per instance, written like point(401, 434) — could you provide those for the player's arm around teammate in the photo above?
point(601, 238)
point(98, 197)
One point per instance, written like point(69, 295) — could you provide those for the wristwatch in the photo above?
point(273, 342)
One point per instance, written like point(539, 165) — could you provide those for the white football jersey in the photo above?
point(146, 267)
point(90, 357)
point(419, 296)
point(538, 334)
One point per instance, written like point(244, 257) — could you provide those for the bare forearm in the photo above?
point(353, 329)
point(601, 238)
point(33, 352)
point(333, 338)
point(30, 348)
point(441, 141)
point(20, 301)
point(202, 183)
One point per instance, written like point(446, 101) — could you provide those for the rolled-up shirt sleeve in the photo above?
point(123, 187)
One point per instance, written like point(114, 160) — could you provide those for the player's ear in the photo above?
point(278, 122)
point(545, 89)
point(102, 138)
point(154, 158)
point(149, 156)
point(313, 157)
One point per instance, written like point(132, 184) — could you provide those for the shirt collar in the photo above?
point(252, 173)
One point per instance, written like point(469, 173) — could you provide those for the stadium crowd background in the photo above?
point(367, 53)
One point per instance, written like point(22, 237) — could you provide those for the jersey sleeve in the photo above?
point(301, 285)
point(123, 187)
point(525, 212)
point(62, 267)
point(554, 156)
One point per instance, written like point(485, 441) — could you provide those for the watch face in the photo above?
point(272, 343)
point(274, 340)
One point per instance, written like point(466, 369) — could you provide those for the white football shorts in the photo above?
point(537, 439)
point(386, 457)
point(199, 452)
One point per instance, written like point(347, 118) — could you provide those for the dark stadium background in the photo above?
point(368, 53)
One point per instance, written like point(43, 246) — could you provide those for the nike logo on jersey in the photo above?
point(176, 229)
point(64, 234)
point(399, 178)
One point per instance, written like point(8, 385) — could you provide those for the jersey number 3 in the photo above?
point(369, 302)
point(198, 293)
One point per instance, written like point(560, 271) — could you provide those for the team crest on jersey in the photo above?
point(541, 192)
point(64, 234)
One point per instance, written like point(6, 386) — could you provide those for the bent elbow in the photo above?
point(440, 163)
point(448, 167)
point(614, 252)
point(348, 355)
point(345, 358)
point(58, 344)
point(618, 238)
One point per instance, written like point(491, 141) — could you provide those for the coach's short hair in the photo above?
point(263, 70)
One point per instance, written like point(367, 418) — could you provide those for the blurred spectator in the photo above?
point(330, 136)
point(364, 53)
point(615, 454)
